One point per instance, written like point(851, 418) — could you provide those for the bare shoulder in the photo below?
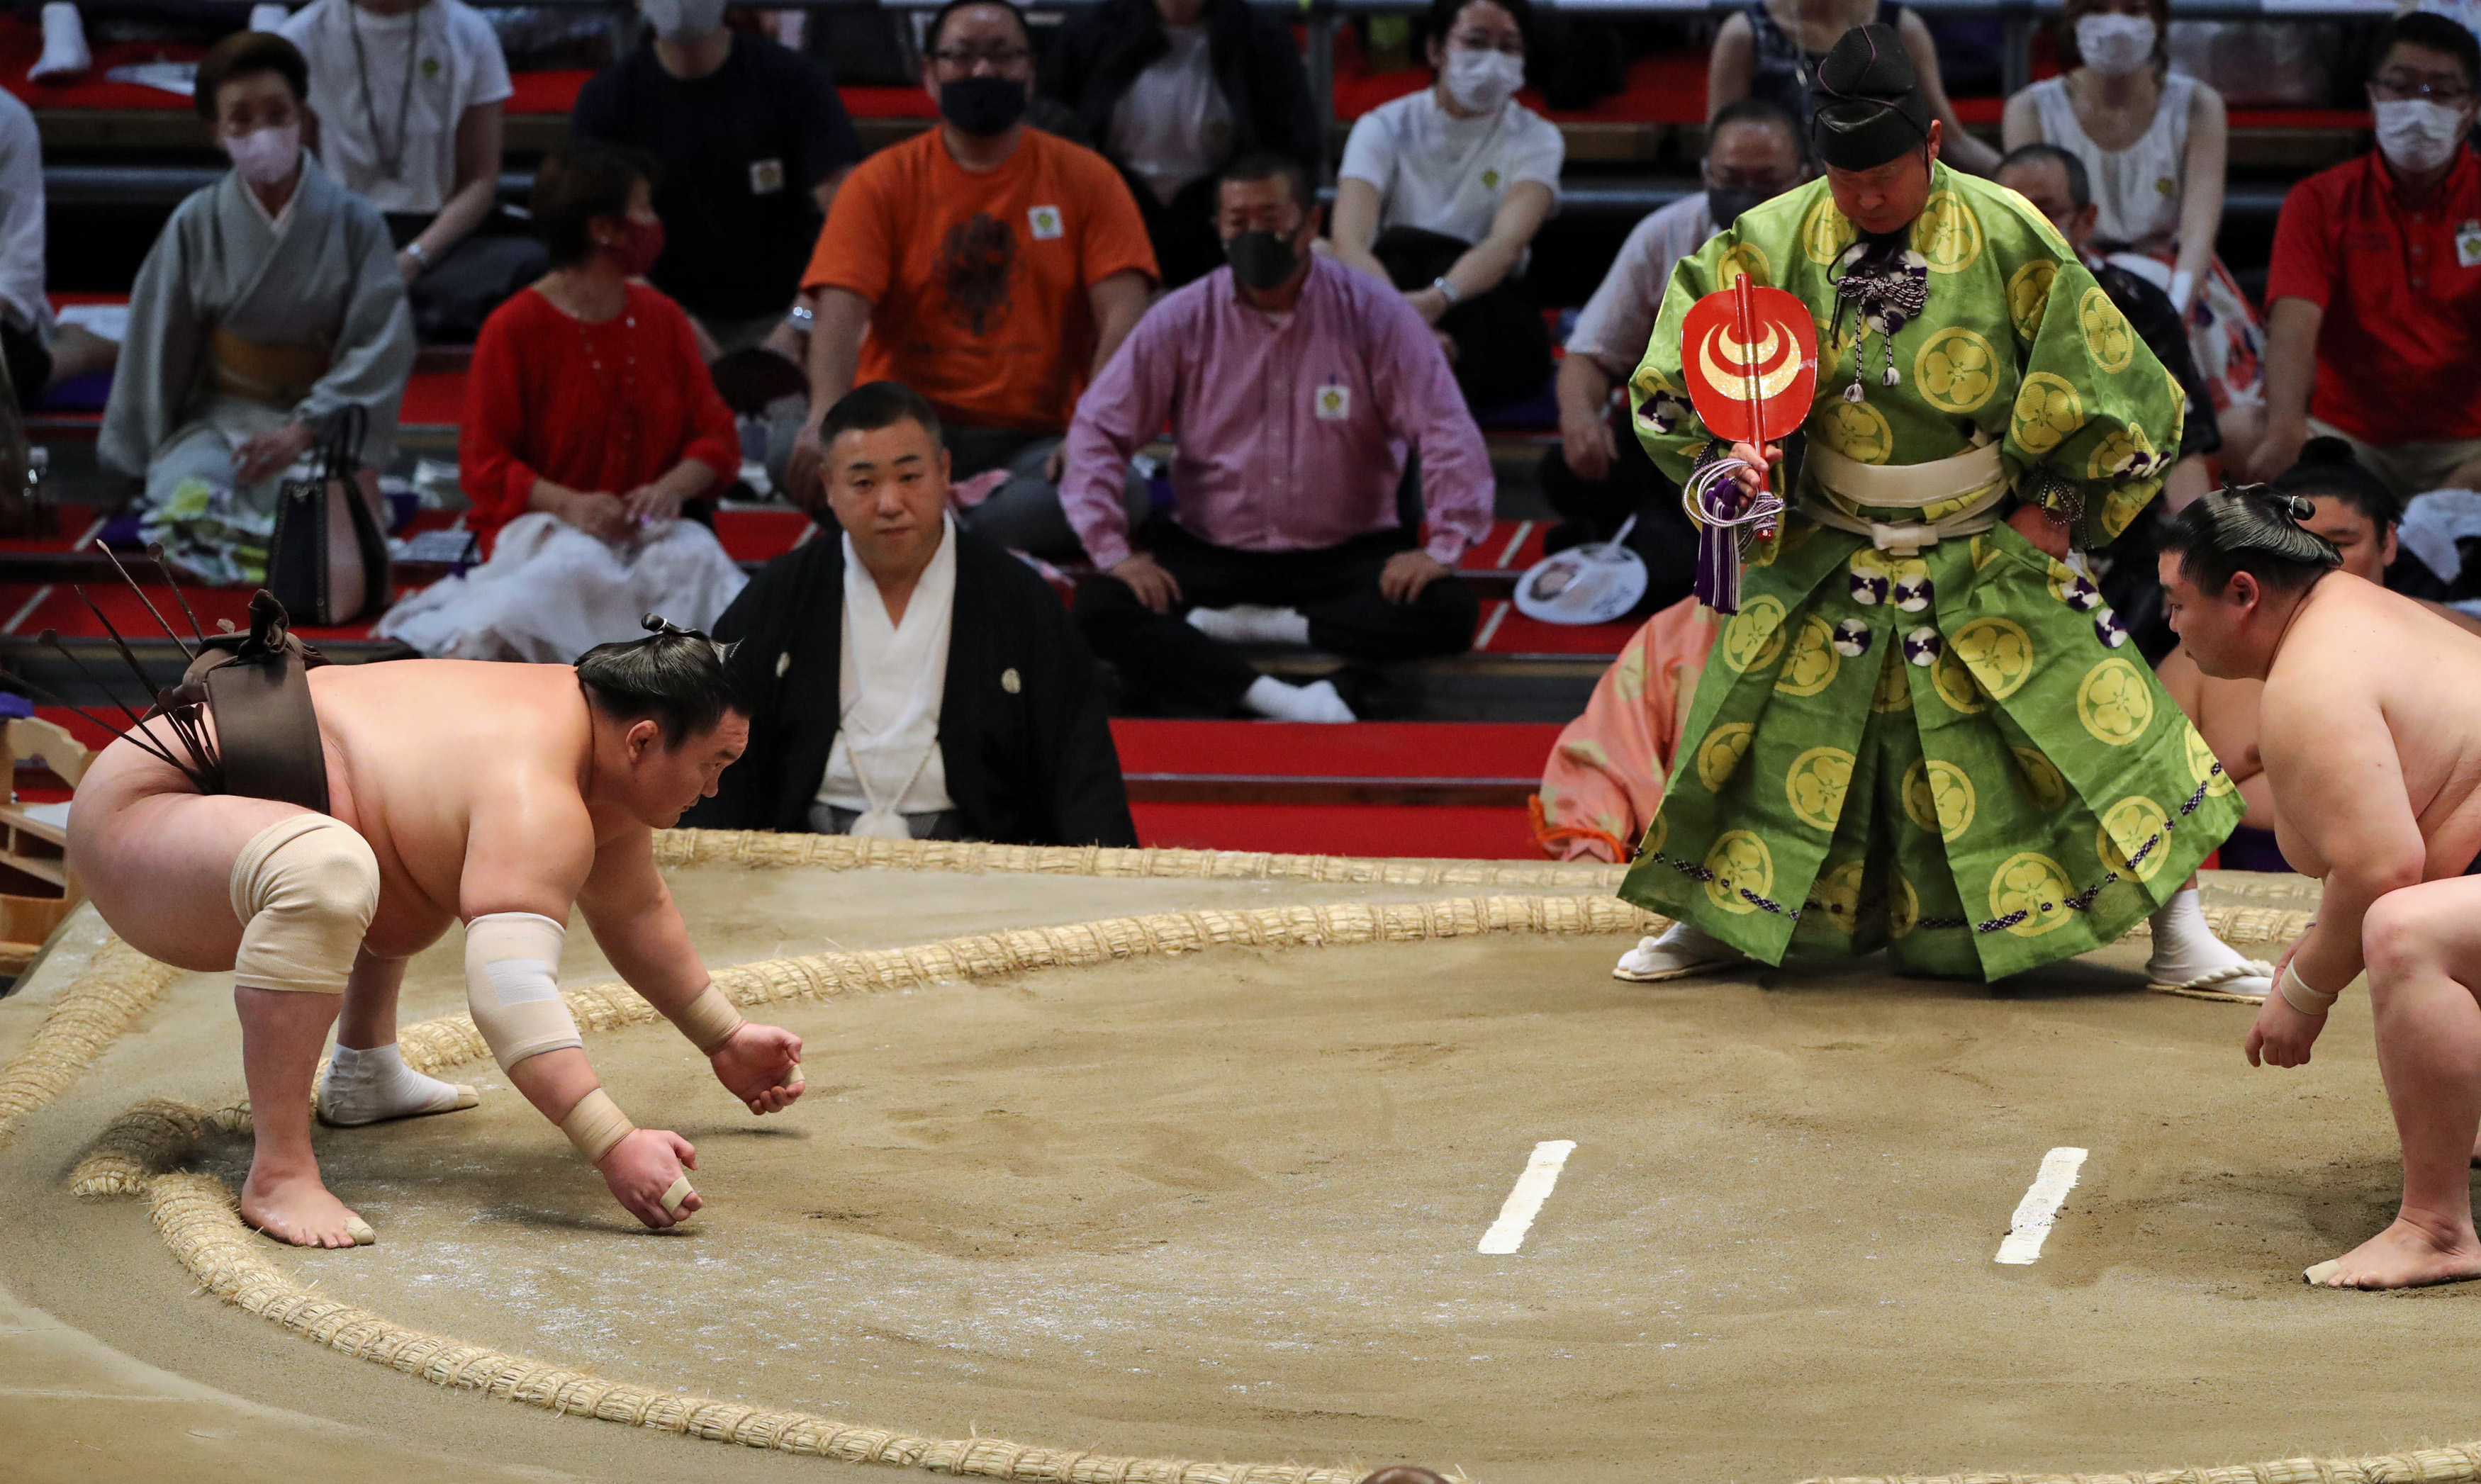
point(2454, 615)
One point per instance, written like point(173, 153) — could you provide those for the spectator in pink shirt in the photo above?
point(1292, 387)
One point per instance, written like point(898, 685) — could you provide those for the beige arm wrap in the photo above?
point(2297, 994)
point(596, 1124)
point(709, 1020)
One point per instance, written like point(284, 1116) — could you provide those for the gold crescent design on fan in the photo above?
point(1770, 383)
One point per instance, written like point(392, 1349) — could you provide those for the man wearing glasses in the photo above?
point(2375, 289)
point(994, 269)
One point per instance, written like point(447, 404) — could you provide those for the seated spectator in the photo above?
point(2056, 183)
point(1606, 775)
point(2374, 295)
point(38, 352)
point(751, 141)
point(1292, 387)
point(1174, 90)
point(591, 423)
point(1441, 192)
point(912, 680)
point(66, 53)
point(2153, 145)
point(1599, 476)
point(409, 117)
point(268, 305)
point(995, 268)
point(1771, 50)
point(2357, 515)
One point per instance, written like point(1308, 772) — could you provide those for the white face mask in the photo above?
point(2416, 134)
point(1481, 81)
point(266, 156)
point(683, 20)
point(2115, 45)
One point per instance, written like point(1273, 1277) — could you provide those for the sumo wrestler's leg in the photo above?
point(2423, 946)
point(305, 890)
point(367, 1079)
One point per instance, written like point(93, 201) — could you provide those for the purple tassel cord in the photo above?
point(1712, 499)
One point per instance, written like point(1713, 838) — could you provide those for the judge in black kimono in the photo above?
point(270, 304)
point(910, 680)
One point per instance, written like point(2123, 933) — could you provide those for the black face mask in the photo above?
point(983, 105)
point(1725, 203)
point(1262, 260)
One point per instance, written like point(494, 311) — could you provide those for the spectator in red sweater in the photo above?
point(590, 423)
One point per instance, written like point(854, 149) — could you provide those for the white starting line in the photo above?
point(1524, 1203)
point(2039, 1207)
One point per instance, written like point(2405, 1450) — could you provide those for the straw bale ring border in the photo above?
point(139, 1154)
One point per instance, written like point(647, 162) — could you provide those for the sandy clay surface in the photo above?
point(1228, 1206)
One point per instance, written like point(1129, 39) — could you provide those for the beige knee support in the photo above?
point(513, 985)
point(305, 890)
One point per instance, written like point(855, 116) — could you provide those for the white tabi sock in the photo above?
point(1272, 699)
point(1682, 950)
point(375, 1085)
point(65, 48)
point(2187, 955)
point(1245, 623)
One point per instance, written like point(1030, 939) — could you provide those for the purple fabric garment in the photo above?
point(2251, 848)
point(1290, 434)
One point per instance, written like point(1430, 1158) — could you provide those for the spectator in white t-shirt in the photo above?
point(408, 96)
point(37, 350)
point(1599, 476)
point(1441, 191)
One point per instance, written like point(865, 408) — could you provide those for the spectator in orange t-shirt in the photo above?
point(995, 268)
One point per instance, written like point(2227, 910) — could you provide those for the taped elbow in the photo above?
point(513, 985)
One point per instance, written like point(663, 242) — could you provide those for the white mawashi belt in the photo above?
point(1976, 473)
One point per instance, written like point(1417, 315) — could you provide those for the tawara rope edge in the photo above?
point(196, 1214)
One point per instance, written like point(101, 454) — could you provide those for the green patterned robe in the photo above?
point(1951, 755)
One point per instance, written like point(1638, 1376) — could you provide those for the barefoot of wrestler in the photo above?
point(2371, 741)
point(500, 795)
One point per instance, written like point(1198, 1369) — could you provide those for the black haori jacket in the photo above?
point(1021, 724)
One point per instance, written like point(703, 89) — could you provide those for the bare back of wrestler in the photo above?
point(2371, 741)
point(503, 792)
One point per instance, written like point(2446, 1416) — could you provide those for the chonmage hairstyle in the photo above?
point(2328, 470)
point(678, 677)
point(581, 180)
point(243, 53)
point(2227, 531)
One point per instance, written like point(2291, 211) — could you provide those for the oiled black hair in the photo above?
point(678, 677)
point(877, 405)
point(2254, 531)
point(2328, 469)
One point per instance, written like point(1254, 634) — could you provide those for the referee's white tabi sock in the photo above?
point(1280, 701)
point(1682, 950)
point(2188, 956)
point(375, 1085)
point(65, 48)
point(1246, 623)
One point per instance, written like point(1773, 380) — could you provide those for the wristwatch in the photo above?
point(415, 250)
point(801, 317)
point(1442, 284)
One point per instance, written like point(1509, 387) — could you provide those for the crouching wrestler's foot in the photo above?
point(296, 1208)
point(2189, 959)
point(2405, 1255)
point(1682, 950)
point(375, 1085)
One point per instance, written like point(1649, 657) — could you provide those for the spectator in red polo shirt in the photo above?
point(2374, 329)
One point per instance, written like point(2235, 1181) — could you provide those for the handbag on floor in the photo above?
point(328, 559)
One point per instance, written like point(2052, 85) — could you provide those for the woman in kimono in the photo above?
point(271, 304)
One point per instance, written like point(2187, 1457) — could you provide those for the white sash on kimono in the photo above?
point(886, 763)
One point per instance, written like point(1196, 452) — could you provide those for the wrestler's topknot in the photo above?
point(2252, 530)
point(680, 677)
